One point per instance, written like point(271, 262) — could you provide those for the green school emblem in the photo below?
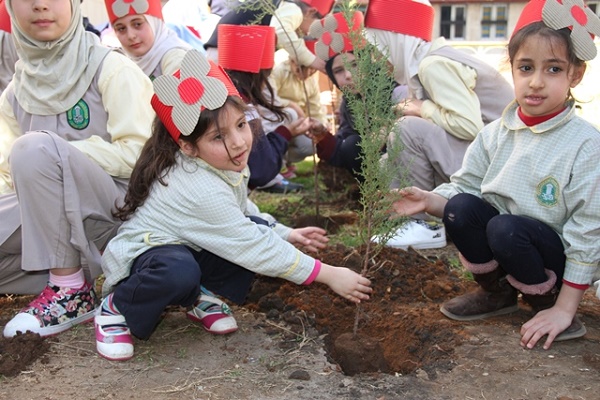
point(79, 115)
point(547, 192)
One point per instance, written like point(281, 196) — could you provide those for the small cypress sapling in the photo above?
point(375, 120)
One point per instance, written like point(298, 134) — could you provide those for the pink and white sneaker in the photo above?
point(113, 337)
point(214, 315)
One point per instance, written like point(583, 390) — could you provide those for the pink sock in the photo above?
point(73, 281)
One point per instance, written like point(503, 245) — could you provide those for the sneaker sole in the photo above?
point(422, 246)
point(56, 329)
point(109, 358)
point(194, 318)
point(503, 311)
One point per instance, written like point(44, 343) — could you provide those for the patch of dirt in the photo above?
point(408, 290)
point(19, 352)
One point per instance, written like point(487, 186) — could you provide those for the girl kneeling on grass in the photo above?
point(187, 229)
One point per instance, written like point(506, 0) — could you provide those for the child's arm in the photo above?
point(454, 105)
point(345, 282)
point(553, 320)
point(286, 21)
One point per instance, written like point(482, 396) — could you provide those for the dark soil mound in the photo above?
point(17, 353)
point(401, 322)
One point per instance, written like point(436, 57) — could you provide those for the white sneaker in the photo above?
point(417, 234)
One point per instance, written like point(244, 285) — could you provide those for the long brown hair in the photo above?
point(252, 86)
point(158, 156)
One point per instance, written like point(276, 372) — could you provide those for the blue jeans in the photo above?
point(524, 247)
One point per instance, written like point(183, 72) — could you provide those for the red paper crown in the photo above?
point(247, 48)
point(572, 14)
point(322, 6)
point(120, 8)
point(401, 16)
point(332, 34)
point(180, 98)
point(4, 18)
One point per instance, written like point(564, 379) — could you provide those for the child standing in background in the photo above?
point(72, 123)
point(524, 210)
point(144, 36)
point(187, 227)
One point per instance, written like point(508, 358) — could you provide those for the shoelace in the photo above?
point(44, 299)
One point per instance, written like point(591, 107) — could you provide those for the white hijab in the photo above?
point(51, 77)
point(164, 40)
point(405, 53)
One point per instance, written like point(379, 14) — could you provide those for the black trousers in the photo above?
point(172, 275)
point(524, 247)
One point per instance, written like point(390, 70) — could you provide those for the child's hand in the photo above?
point(549, 322)
point(410, 201)
point(299, 126)
point(345, 282)
point(319, 65)
point(317, 131)
point(316, 127)
point(409, 107)
point(310, 238)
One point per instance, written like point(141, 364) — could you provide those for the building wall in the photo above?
point(474, 15)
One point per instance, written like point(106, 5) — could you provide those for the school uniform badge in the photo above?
point(79, 116)
point(547, 192)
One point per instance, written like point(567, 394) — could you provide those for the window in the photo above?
point(494, 21)
point(594, 6)
point(453, 22)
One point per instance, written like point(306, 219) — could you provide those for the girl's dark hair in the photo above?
point(252, 86)
point(329, 70)
point(158, 156)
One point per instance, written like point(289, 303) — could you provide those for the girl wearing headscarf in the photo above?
point(144, 36)
point(72, 123)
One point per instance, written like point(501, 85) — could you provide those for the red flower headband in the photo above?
point(572, 14)
point(332, 34)
point(120, 8)
point(180, 98)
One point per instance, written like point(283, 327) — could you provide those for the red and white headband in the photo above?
point(333, 34)
point(120, 8)
point(180, 98)
point(572, 14)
